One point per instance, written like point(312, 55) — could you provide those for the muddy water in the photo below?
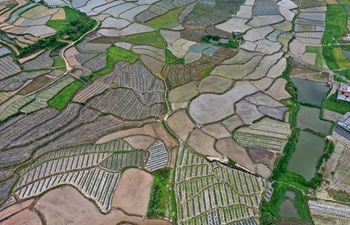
point(308, 117)
point(308, 151)
point(287, 208)
point(310, 91)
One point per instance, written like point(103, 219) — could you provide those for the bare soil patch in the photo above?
point(214, 84)
point(264, 156)
point(14, 209)
point(60, 15)
point(32, 56)
point(202, 143)
point(228, 147)
point(232, 123)
point(263, 83)
point(36, 84)
point(66, 205)
point(278, 91)
point(216, 130)
point(184, 92)
point(140, 141)
point(26, 217)
point(155, 130)
point(133, 191)
point(180, 124)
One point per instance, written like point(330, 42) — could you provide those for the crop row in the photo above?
point(138, 77)
point(97, 63)
point(6, 186)
point(236, 214)
point(8, 67)
point(268, 124)
point(187, 158)
point(90, 115)
point(62, 165)
point(33, 106)
point(201, 187)
point(88, 132)
point(149, 98)
point(16, 106)
point(84, 57)
point(109, 147)
point(10, 201)
point(261, 142)
point(4, 51)
point(54, 89)
point(94, 183)
point(70, 113)
point(118, 161)
point(158, 157)
point(20, 78)
point(40, 30)
point(90, 91)
point(41, 61)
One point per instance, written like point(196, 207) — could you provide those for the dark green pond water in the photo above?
point(287, 208)
point(310, 91)
point(308, 117)
point(308, 151)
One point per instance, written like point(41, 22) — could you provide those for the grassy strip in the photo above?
point(270, 210)
point(207, 71)
point(336, 105)
point(336, 21)
point(165, 19)
point(341, 196)
point(170, 58)
point(150, 38)
point(318, 52)
point(60, 100)
point(157, 202)
point(114, 54)
point(58, 61)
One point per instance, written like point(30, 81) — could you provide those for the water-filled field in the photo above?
point(308, 151)
point(310, 91)
point(287, 208)
point(309, 117)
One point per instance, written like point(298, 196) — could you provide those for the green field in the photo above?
point(114, 54)
point(150, 38)
point(166, 19)
point(62, 98)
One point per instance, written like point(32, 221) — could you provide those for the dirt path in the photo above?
point(68, 68)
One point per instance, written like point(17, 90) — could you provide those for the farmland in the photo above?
point(173, 112)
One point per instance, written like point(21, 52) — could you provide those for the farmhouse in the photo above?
point(344, 92)
point(344, 121)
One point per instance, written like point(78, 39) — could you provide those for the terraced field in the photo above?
point(209, 193)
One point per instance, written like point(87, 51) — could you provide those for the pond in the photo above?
point(310, 91)
point(308, 117)
point(287, 208)
point(221, 41)
point(308, 151)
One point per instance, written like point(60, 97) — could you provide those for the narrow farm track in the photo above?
point(68, 67)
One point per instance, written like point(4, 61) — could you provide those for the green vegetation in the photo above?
point(74, 26)
point(58, 61)
point(270, 210)
point(336, 105)
point(157, 203)
point(62, 98)
point(114, 54)
point(150, 38)
point(10, 6)
point(207, 71)
point(341, 196)
point(170, 58)
point(318, 52)
point(214, 40)
point(336, 21)
point(165, 19)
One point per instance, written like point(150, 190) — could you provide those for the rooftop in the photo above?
point(344, 88)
